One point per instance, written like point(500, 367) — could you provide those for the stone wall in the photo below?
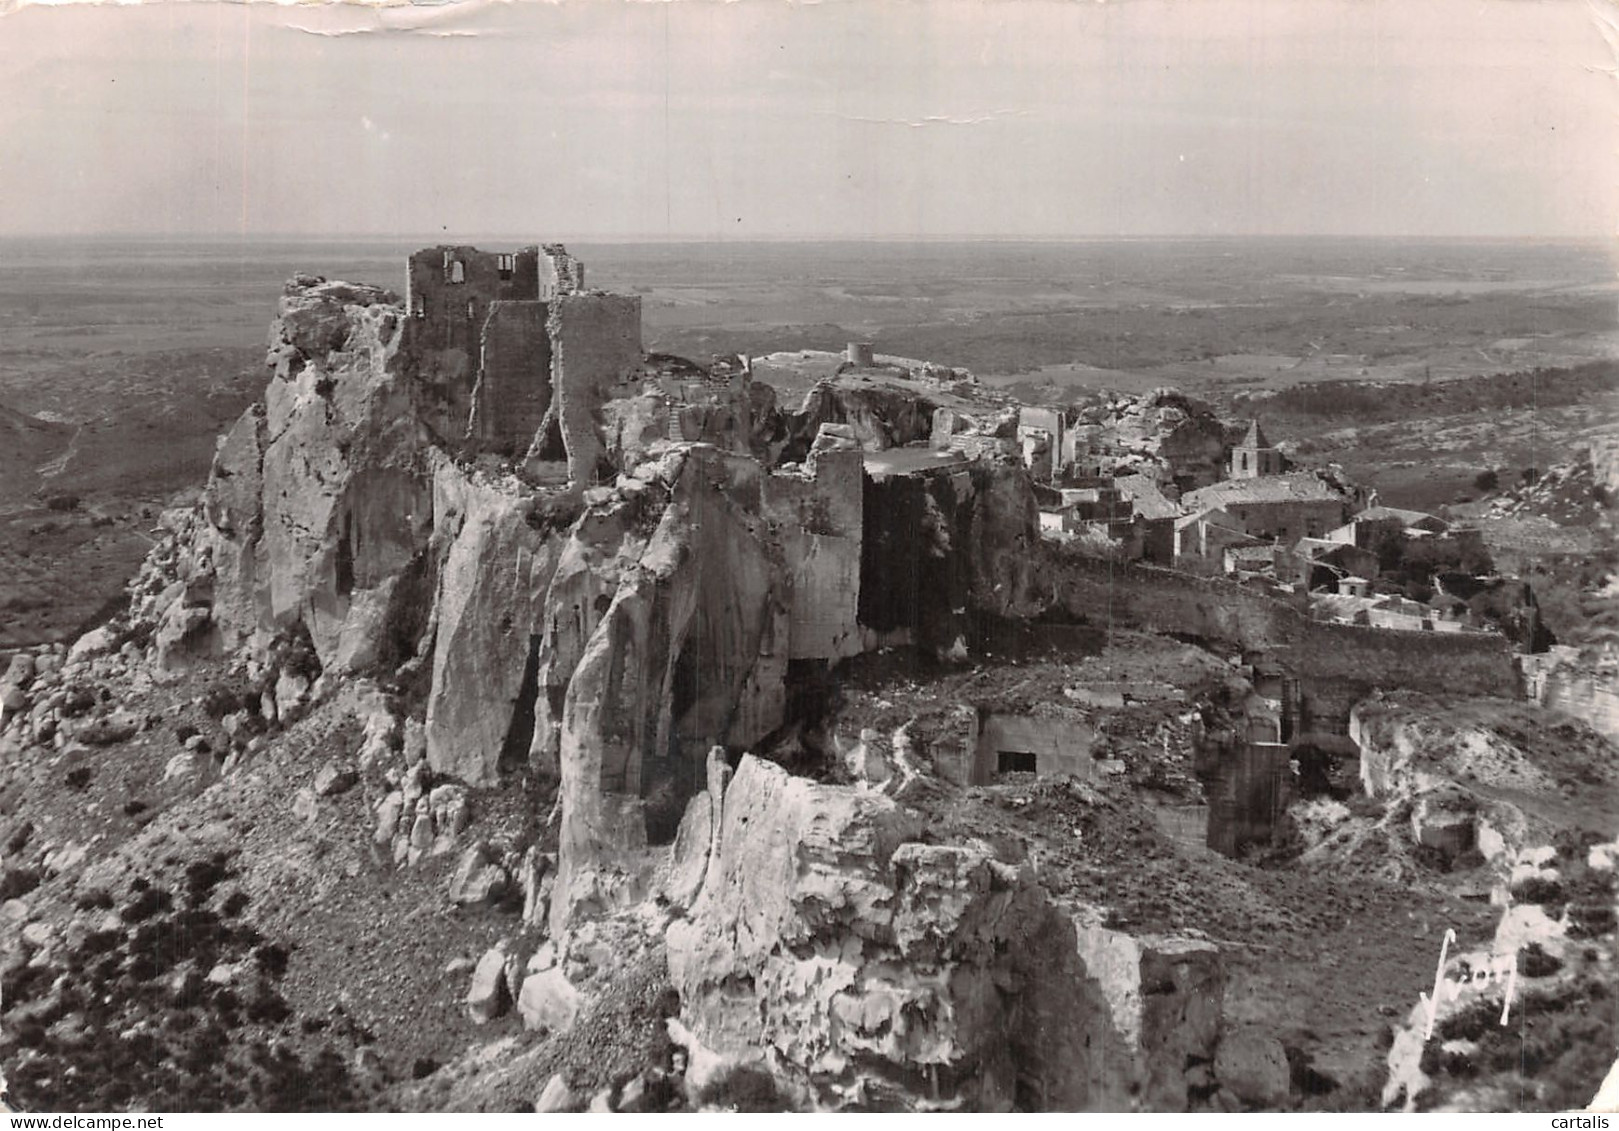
point(1135, 595)
point(513, 389)
point(1059, 740)
point(1338, 665)
point(1290, 521)
point(1250, 790)
point(596, 351)
point(444, 321)
point(819, 515)
point(1335, 664)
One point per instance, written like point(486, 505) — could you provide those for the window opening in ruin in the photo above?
point(506, 264)
point(418, 306)
point(1016, 762)
point(455, 271)
point(1245, 461)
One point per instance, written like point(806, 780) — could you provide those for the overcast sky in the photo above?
point(764, 119)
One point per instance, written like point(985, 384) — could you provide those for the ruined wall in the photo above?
point(819, 515)
point(444, 322)
point(1337, 665)
point(1059, 740)
point(1251, 788)
point(513, 389)
point(1565, 681)
point(437, 301)
point(595, 350)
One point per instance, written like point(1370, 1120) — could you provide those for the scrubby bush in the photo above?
point(1534, 962)
point(745, 1089)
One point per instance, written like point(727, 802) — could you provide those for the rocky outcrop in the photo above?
point(321, 498)
point(489, 612)
point(870, 968)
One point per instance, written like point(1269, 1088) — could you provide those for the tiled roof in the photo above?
point(1146, 498)
point(1299, 487)
point(1409, 518)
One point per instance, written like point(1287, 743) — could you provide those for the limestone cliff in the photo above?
point(602, 636)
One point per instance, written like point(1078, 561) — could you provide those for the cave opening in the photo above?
point(548, 444)
point(344, 565)
point(520, 731)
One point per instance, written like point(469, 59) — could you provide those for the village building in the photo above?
point(1321, 564)
point(1376, 525)
point(1201, 540)
point(1284, 508)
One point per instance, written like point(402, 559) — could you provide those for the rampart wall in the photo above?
point(1335, 664)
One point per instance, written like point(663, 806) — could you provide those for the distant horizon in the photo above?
point(947, 238)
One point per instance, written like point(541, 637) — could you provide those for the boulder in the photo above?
point(332, 779)
point(96, 642)
point(183, 635)
point(186, 767)
point(555, 1096)
point(304, 805)
point(389, 811)
point(120, 726)
point(486, 996)
point(549, 1001)
point(1252, 1065)
point(478, 879)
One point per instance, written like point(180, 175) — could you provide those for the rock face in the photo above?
point(319, 498)
point(864, 962)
